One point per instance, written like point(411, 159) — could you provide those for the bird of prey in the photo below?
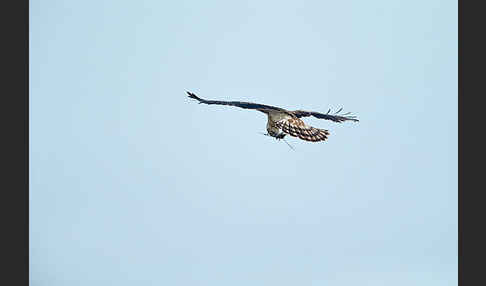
point(282, 122)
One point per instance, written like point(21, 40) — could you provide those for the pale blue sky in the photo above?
point(132, 183)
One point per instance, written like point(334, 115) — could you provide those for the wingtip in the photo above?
point(190, 94)
point(193, 96)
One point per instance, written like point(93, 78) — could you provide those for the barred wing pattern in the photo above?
point(297, 128)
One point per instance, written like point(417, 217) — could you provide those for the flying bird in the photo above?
point(282, 122)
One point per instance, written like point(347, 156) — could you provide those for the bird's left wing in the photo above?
point(241, 104)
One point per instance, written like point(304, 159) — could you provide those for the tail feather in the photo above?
point(297, 128)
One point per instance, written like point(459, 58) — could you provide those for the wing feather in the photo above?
point(333, 117)
point(241, 104)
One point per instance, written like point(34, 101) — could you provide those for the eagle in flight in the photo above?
point(282, 122)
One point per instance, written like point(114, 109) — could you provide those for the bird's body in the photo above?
point(272, 129)
point(282, 122)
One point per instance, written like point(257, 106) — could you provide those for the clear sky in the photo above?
point(132, 183)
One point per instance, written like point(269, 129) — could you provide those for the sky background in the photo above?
point(133, 183)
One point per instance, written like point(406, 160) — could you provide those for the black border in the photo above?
point(460, 198)
point(459, 151)
point(14, 118)
point(470, 164)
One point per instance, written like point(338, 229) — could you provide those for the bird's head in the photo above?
point(280, 135)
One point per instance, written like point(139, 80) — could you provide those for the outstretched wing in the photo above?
point(297, 128)
point(241, 104)
point(334, 117)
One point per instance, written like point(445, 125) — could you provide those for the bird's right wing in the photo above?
point(328, 116)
